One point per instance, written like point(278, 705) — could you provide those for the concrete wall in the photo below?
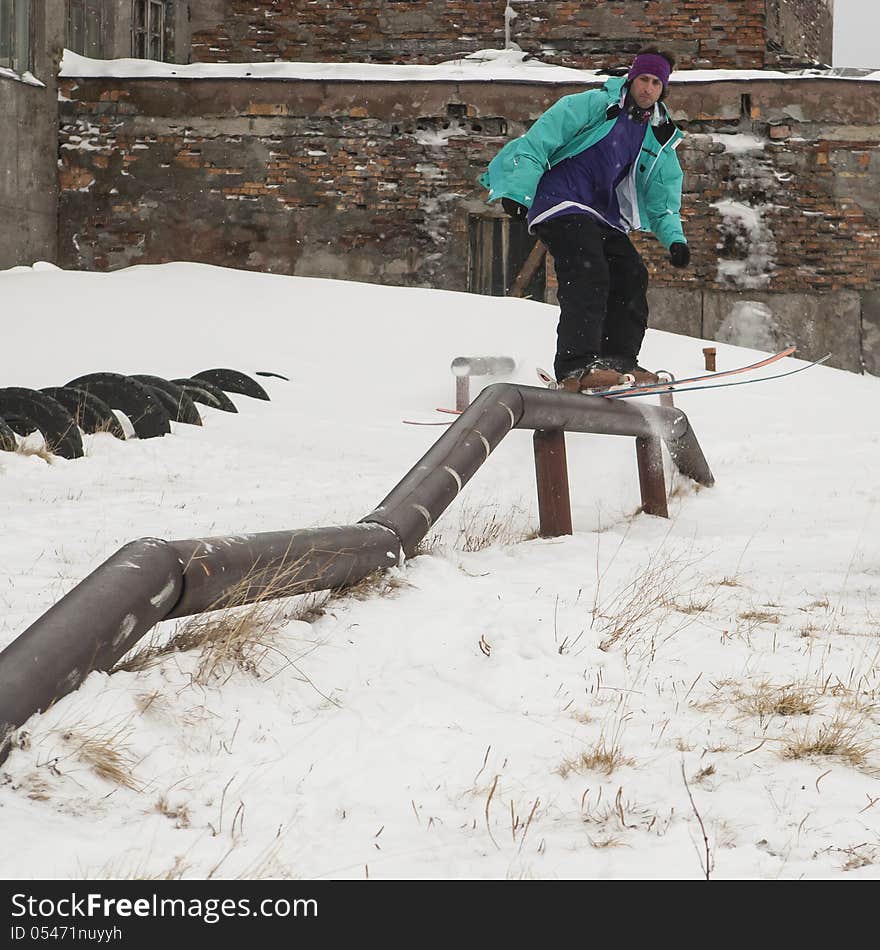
point(799, 31)
point(28, 148)
point(721, 33)
point(376, 181)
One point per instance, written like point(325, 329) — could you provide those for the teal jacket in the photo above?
point(649, 197)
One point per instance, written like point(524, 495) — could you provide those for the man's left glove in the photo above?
point(517, 211)
point(680, 254)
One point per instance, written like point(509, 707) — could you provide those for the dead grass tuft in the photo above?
point(604, 757)
point(39, 451)
point(639, 609)
point(179, 814)
point(239, 632)
point(484, 527)
point(693, 607)
point(763, 699)
point(106, 754)
point(758, 616)
point(728, 582)
point(840, 738)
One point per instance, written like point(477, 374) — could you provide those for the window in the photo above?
point(15, 34)
point(85, 27)
point(500, 259)
point(148, 30)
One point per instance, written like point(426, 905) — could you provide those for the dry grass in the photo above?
point(693, 607)
point(485, 527)
point(604, 757)
point(242, 631)
point(728, 582)
point(39, 451)
point(179, 814)
point(841, 738)
point(758, 616)
point(763, 699)
point(126, 872)
point(640, 608)
point(107, 754)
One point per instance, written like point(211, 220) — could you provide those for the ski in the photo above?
point(680, 385)
point(646, 388)
point(418, 422)
point(676, 386)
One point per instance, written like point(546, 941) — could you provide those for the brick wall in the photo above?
point(376, 181)
point(590, 33)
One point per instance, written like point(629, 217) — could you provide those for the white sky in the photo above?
point(856, 27)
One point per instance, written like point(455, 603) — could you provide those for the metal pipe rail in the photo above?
point(94, 625)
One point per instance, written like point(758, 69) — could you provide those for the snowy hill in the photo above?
point(503, 706)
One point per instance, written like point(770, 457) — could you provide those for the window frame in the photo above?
point(148, 21)
point(82, 45)
point(16, 24)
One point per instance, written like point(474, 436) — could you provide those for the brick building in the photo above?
point(364, 175)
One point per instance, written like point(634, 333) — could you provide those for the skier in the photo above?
point(594, 166)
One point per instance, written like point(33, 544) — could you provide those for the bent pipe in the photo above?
point(95, 624)
point(425, 492)
point(92, 627)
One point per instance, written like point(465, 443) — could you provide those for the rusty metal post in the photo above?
point(709, 357)
point(651, 480)
point(551, 472)
point(667, 401)
point(462, 392)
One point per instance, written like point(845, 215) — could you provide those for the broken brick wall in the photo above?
point(587, 34)
point(376, 181)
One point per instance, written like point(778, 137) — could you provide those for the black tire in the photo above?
point(89, 412)
point(232, 381)
point(43, 413)
point(199, 390)
point(183, 408)
point(147, 415)
point(8, 442)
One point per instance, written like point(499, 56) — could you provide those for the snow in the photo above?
point(488, 65)
point(527, 709)
point(739, 143)
point(750, 323)
point(27, 77)
point(753, 237)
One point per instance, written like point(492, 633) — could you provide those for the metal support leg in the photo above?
point(462, 392)
point(651, 481)
point(551, 471)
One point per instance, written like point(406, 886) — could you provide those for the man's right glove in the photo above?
point(680, 254)
point(517, 211)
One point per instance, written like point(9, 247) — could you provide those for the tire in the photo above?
point(183, 408)
point(89, 412)
point(232, 381)
point(140, 404)
point(41, 412)
point(8, 442)
point(199, 390)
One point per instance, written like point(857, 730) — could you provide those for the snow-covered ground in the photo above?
point(565, 708)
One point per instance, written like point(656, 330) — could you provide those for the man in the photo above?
point(595, 166)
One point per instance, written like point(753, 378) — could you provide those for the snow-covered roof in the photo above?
point(506, 65)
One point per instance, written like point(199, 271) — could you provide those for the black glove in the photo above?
point(680, 254)
point(517, 211)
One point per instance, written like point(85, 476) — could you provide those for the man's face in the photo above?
point(646, 90)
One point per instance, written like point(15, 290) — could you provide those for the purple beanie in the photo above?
point(651, 63)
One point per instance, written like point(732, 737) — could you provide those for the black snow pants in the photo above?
point(602, 291)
